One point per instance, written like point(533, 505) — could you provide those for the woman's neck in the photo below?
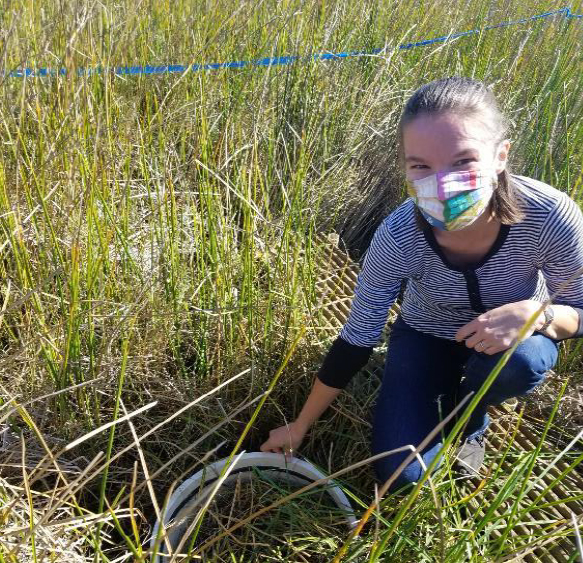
point(483, 227)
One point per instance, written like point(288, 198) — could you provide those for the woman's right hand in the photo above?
point(284, 439)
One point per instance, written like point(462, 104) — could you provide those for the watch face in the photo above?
point(549, 314)
point(548, 318)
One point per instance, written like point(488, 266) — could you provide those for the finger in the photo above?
point(473, 340)
point(465, 331)
point(492, 348)
point(495, 349)
point(470, 333)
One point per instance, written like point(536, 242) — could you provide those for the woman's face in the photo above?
point(447, 142)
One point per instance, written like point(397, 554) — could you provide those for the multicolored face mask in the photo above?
point(453, 200)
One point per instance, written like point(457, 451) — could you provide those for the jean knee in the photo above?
point(524, 370)
point(522, 373)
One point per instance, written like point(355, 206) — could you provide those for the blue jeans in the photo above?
point(425, 376)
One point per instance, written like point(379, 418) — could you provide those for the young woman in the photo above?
point(480, 249)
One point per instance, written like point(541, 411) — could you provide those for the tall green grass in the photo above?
point(158, 236)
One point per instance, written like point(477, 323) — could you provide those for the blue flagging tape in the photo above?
point(272, 61)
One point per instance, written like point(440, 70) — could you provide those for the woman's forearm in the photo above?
point(317, 402)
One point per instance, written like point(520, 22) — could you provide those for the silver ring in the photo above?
point(481, 343)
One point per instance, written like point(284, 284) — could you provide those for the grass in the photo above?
point(158, 236)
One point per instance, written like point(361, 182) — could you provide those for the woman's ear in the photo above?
point(501, 157)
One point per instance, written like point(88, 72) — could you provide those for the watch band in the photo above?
point(549, 316)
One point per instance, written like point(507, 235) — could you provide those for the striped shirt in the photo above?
point(528, 260)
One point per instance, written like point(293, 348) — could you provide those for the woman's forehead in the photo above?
point(446, 130)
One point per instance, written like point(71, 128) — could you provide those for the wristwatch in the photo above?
point(549, 316)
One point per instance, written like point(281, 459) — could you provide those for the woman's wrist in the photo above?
point(564, 323)
point(542, 325)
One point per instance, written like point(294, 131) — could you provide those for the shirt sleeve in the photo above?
point(561, 245)
point(580, 327)
point(377, 287)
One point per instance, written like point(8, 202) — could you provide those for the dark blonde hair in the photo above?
point(471, 98)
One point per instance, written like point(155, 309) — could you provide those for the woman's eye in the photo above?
point(418, 166)
point(464, 160)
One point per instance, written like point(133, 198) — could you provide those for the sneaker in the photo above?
point(510, 405)
point(469, 457)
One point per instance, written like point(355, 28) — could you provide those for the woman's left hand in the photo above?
point(497, 330)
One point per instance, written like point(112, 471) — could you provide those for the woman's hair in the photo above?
point(471, 98)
